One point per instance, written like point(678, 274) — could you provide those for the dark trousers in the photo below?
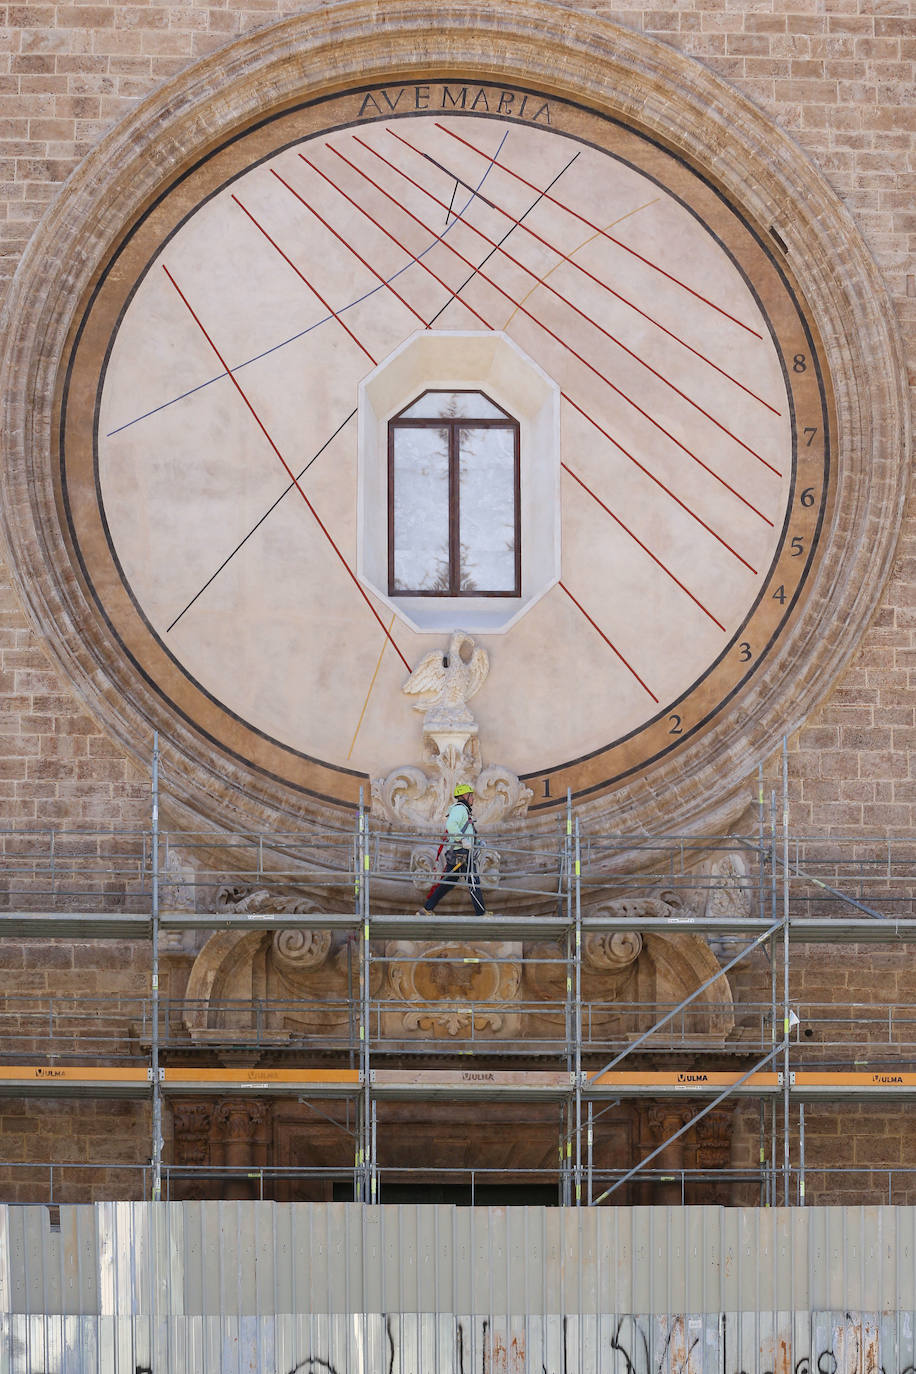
point(457, 866)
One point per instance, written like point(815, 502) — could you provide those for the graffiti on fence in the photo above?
point(400, 1343)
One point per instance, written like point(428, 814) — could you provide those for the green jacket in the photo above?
point(459, 826)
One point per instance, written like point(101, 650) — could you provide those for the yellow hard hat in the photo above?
point(463, 789)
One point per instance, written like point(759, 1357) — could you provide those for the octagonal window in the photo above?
point(459, 467)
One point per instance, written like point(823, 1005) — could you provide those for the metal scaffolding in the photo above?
point(55, 880)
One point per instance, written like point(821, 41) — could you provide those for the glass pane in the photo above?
point(487, 506)
point(453, 405)
point(420, 510)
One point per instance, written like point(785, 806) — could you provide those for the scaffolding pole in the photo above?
point(786, 1027)
point(771, 1172)
point(362, 1176)
point(568, 1114)
point(154, 998)
point(577, 1014)
point(801, 1154)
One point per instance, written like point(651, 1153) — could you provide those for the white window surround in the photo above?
point(492, 363)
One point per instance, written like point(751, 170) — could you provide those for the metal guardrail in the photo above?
point(76, 1181)
point(118, 1029)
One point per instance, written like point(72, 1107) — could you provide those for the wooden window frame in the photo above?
point(454, 501)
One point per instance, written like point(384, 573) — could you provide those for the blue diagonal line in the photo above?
point(302, 332)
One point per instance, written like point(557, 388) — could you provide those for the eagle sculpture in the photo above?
point(443, 683)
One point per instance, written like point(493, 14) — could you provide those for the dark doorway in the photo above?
point(460, 1194)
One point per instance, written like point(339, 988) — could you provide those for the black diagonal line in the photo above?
point(510, 230)
point(475, 193)
point(260, 522)
point(448, 213)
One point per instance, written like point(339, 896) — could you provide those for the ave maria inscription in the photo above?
point(466, 98)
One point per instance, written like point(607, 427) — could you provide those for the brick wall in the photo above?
point(81, 1135)
point(56, 767)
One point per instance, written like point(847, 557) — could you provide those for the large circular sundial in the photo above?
point(454, 348)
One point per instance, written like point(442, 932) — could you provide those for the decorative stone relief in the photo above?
point(730, 887)
point(240, 1140)
point(191, 1126)
point(176, 883)
point(713, 1151)
point(296, 950)
point(236, 1119)
point(262, 901)
point(612, 952)
point(607, 964)
point(729, 894)
point(177, 893)
point(447, 979)
point(417, 796)
point(664, 1119)
point(714, 1137)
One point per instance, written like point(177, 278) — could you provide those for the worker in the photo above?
point(460, 852)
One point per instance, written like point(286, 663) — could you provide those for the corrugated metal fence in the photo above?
point(225, 1287)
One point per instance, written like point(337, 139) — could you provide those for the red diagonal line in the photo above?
point(625, 300)
point(540, 323)
point(582, 412)
point(356, 255)
point(627, 530)
point(234, 380)
point(581, 313)
point(657, 480)
point(301, 275)
point(598, 230)
point(363, 211)
point(591, 622)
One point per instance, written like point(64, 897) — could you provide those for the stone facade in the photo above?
point(839, 76)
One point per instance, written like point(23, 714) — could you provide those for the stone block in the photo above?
point(47, 955)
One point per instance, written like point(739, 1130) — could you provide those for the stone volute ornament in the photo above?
point(416, 796)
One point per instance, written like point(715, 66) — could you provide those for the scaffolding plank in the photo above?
point(54, 1080)
point(455, 1083)
point(851, 929)
point(679, 1083)
point(878, 1083)
point(235, 920)
point(465, 925)
point(24, 925)
point(316, 1082)
point(82, 925)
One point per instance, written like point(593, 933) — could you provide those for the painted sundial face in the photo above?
point(209, 463)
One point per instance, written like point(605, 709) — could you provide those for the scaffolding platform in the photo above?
point(802, 929)
point(793, 891)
